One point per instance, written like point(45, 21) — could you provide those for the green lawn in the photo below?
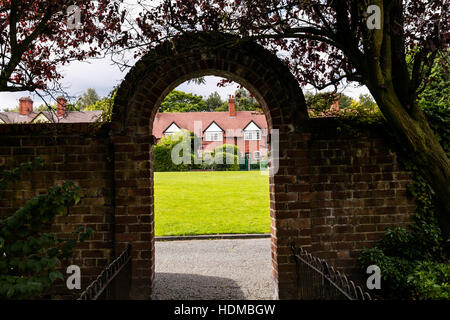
point(189, 203)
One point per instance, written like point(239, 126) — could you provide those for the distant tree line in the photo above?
point(322, 101)
point(179, 101)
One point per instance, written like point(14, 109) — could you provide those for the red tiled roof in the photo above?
point(185, 120)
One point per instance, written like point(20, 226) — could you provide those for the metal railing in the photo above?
point(316, 280)
point(114, 282)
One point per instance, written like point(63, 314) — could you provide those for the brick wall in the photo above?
point(333, 194)
point(76, 152)
point(358, 191)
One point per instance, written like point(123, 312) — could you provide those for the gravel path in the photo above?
point(213, 269)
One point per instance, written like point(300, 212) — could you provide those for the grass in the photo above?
point(190, 203)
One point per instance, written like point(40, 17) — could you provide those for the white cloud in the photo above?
point(102, 75)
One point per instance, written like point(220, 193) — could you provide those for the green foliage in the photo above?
point(228, 148)
point(406, 256)
point(162, 152)
point(15, 109)
point(244, 102)
point(213, 101)
point(87, 99)
point(322, 101)
point(436, 90)
point(413, 263)
point(226, 158)
point(344, 101)
point(14, 175)
point(226, 161)
point(179, 101)
point(29, 257)
point(351, 113)
point(430, 281)
point(435, 101)
point(162, 155)
point(105, 104)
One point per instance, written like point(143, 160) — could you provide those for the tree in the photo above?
point(437, 91)
point(367, 102)
point(323, 101)
point(244, 102)
point(342, 41)
point(88, 98)
point(319, 102)
point(344, 101)
point(179, 101)
point(213, 101)
point(37, 37)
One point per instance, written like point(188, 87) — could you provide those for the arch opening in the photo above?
point(135, 108)
point(219, 200)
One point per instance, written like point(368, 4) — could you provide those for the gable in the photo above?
point(173, 128)
point(40, 118)
point(213, 127)
point(252, 127)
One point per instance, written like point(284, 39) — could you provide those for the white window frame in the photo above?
point(213, 136)
point(252, 135)
point(257, 155)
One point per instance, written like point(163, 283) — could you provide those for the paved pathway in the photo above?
point(213, 269)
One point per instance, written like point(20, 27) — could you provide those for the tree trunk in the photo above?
point(426, 150)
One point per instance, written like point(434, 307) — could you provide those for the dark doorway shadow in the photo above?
point(181, 286)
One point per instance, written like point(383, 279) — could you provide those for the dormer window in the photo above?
point(252, 132)
point(172, 129)
point(213, 136)
point(213, 132)
point(252, 135)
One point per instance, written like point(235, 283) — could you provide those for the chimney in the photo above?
point(61, 109)
point(335, 106)
point(232, 106)
point(25, 106)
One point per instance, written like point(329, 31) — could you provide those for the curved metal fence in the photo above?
point(316, 280)
point(114, 282)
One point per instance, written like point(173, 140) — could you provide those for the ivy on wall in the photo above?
point(413, 262)
point(30, 256)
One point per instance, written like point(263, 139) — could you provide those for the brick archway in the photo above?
point(136, 103)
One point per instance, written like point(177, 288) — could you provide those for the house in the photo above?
point(245, 129)
point(61, 115)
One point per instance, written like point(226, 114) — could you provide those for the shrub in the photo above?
point(162, 152)
point(230, 162)
point(413, 262)
point(228, 148)
point(430, 280)
point(29, 257)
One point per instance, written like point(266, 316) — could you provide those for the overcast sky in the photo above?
point(102, 76)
